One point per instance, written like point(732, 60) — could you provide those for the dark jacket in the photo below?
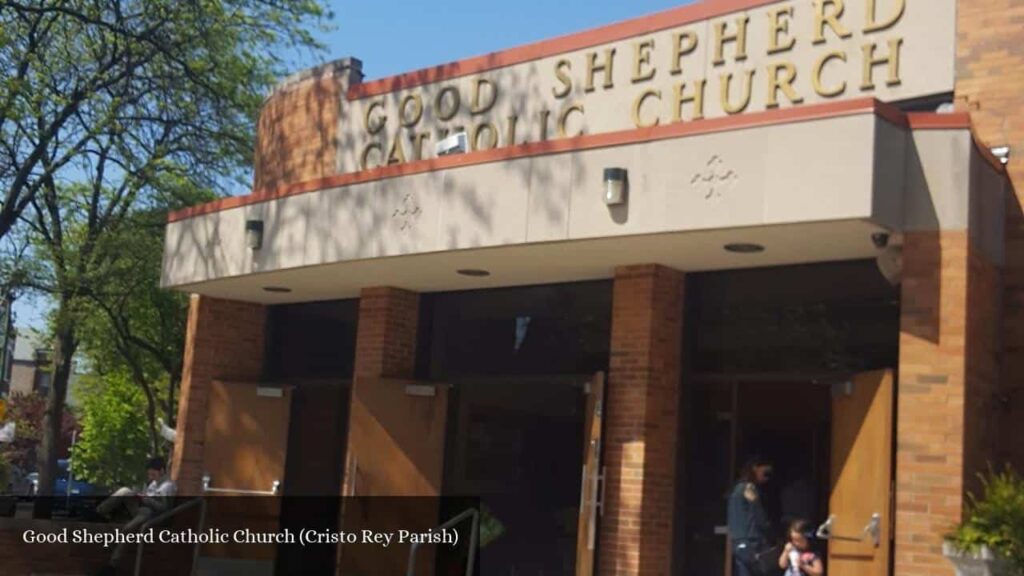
point(747, 518)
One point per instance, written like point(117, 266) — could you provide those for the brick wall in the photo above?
point(948, 372)
point(224, 341)
point(990, 85)
point(298, 129)
point(641, 422)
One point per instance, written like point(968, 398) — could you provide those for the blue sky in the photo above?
point(402, 35)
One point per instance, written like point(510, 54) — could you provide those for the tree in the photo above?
point(115, 438)
point(184, 75)
point(132, 326)
point(114, 107)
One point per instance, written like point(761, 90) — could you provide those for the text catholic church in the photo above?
point(585, 279)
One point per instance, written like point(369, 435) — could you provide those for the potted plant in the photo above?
point(990, 540)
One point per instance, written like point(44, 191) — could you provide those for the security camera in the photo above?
point(880, 240)
point(454, 144)
point(890, 264)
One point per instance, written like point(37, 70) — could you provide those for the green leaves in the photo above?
point(114, 443)
point(996, 520)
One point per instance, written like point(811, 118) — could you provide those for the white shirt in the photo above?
point(162, 488)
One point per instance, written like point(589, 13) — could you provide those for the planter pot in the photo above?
point(984, 562)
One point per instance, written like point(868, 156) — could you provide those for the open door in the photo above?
point(244, 455)
point(396, 443)
point(593, 478)
point(860, 503)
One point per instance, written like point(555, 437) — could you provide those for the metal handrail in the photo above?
point(275, 488)
point(457, 519)
point(197, 501)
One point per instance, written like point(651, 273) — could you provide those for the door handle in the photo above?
point(872, 531)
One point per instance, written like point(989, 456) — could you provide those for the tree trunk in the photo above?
point(154, 436)
point(63, 353)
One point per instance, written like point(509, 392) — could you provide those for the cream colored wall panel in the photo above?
point(550, 190)
point(938, 180)
point(343, 223)
point(484, 205)
point(819, 170)
point(405, 217)
point(286, 225)
point(890, 174)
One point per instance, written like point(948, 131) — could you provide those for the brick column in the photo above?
point(948, 375)
point(641, 422)
point(224, 340)
point(385, 339)
point(386, 335)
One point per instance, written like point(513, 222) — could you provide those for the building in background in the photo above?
point(587, 277)
point(32, 363)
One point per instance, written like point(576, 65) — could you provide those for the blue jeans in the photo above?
point(743, 562)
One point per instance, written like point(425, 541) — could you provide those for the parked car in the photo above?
point(81, 496)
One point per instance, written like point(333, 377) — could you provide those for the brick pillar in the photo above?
point(224, 340)
point(947, 378)
point(641, 422)
point(386, 335)
point(385, 339)
point(987, 48)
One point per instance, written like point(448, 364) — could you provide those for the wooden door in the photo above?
point(862, 475)
point(591, 491)
point(396, 443)
point(245, 447)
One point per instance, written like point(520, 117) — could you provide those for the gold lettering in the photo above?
point(481, 106)
point(683, 43)
point(778, 25)
point(605, 67)
point(396, 155)
point(562, 70)
point(447, 113)
point(545, 117)
point(739, 37)
point(785, 84)
point(697, 98)
point(819, 66)
point(417, 143)
point(492, 136)
point(642, 58)
point(725, 81)
point(873, 25)
point(563, 120)
point(374, 124)
point(823, 17)
point(417, 102)
point(639, 103)
point(510, 136)
point(364, 159)
point(892, 61)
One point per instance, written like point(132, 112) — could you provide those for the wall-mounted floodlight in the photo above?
point(254, 234)
point(615, 186)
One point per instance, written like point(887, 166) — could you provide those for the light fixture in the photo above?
point(744, 248)
point(254, 234)
point(277, 289)
point(615, 186)
point(1002, 153)
point(454, 144)
point(473, 272)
